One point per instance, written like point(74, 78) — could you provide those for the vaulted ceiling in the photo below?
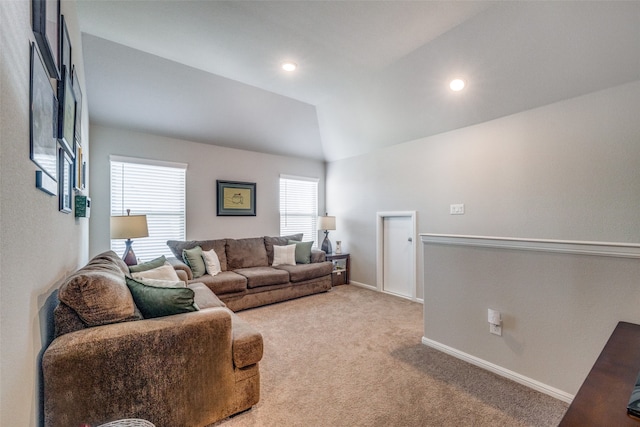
point(370, 73)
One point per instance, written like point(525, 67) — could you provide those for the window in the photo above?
point(155, 189)
point(299, 207)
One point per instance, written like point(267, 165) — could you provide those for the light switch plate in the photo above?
point(456, 209)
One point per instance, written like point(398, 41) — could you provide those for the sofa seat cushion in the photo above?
point(302, 272)
point(224, 283)
point(203, 297)
point(247, 343)
point(263, 276)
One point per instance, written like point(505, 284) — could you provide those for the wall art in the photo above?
point(46, 29)
point(43, 120)
point(78, 95)
point(65, 183)
point(67, 112)
point(236, 198)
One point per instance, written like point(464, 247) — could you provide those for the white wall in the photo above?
point(566, 171)
point(206, 164)
point(39, 245)
point(558, 309)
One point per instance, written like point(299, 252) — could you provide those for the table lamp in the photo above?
point(129, 227)
point(326, 223)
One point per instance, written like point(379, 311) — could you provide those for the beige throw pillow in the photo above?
point(211, 262)
point(160, 283)
point(165, 272)
point(284, 255)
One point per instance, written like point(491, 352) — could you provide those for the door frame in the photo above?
point(380, 248)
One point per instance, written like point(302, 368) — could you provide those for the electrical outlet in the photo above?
point(456, 209)
point(495, 329)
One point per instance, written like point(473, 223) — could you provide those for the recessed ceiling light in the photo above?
point(289, 66)
point(457, 85)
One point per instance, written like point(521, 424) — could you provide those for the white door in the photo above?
point(398, 256)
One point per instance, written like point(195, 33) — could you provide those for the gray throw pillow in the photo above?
point(149, 265)
point(193, 258)
point(158, 302)
point(303, 251)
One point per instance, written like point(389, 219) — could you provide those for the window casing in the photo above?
point(155, 189)
point(299, 207)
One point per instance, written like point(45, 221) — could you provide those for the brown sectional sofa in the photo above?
point(108, 363)
point(248, 278)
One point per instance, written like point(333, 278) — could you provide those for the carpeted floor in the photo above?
point(353, 357)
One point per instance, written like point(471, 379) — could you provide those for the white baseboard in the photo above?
point(373, 288)
point(513, 376)
point(363, 285)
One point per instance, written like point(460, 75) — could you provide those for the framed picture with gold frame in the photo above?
point(236, 198)
point(78, 179)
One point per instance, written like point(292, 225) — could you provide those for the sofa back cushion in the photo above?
point(246, 253)
point(270, 242)
point(177, 246)
point(98, 292)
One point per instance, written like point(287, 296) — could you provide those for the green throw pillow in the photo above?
point(150, 265)
point(158, 302)
point(193, 258)
point(303, 251)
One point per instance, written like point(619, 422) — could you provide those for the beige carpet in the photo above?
point(353, 357)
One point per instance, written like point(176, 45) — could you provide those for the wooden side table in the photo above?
point(602, 400)
point(342, 271)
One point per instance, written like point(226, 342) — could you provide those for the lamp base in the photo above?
point(326, 244)
point(129, 257)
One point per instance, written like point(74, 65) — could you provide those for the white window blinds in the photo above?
point(151, 188)
point(299, 207)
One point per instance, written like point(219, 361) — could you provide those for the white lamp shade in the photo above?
point(129, 227)
point(326, 223)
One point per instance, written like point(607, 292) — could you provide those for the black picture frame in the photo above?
point(43, 118)
point(66, 112)
point(65, 45)
point(65, 183)
point(46, 29)
point(235, 198)
point(78, 95)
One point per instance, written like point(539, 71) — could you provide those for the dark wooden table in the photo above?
point(347, 269)
point(603, 397)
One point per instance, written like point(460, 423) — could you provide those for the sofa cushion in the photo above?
point(110, 261)
point(164, 272)
point(246, 253)
point(66, 320)
point(149, 265)
point(284, 255)
point(211, 262)
point(225, 282)
point(270, 242)
point(177, 246)
point(303, 251)
point(302, 272)
point(157, 302)
point(318, 255)
point(161, 283)
point(247, 343)
point(203, 297)
point(263, 276)
point(193, 258)
point(98, 292)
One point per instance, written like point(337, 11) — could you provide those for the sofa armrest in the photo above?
point(163, 370)
point(181, 269)
point(318, 255)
